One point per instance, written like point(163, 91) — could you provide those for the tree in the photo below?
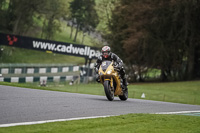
point(2, 14)
point(158, 34)
point(20, 15)
point(127, 33)
point(53, 12)
point(105, 9)
point(84, 15)
point(179, 31)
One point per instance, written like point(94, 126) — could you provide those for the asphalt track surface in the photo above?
point(19, 105)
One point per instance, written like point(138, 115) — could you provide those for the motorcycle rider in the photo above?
point(106, 54)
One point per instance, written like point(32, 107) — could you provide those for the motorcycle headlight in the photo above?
point(109, 72)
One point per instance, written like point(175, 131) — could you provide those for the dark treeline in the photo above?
point(158, 34)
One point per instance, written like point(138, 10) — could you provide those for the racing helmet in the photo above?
point(105, 51)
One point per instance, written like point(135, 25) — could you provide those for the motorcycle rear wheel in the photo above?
point(108, 90)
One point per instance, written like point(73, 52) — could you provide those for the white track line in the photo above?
point(179, 112)
point(47, 121)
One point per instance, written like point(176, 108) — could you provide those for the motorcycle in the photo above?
point(110, 79)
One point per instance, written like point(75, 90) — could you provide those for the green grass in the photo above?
point(20, 55)
point(131, 123)
point(177, 92)
point(64, 36)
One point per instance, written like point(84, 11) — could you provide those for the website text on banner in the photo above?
point(47, 45)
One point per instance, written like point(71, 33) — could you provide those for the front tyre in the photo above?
point(124, 97)
point(108, 90)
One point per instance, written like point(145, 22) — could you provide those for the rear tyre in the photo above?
point(124, 97)
point(108, 90)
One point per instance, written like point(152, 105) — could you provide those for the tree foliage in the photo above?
point(83, 15)
point(158, 34)
point(20, 16)
point(105, 9)
point(53, 12)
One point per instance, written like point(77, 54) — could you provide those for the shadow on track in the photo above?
point(104, 99)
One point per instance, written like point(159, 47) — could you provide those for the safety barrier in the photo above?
point(52, 73)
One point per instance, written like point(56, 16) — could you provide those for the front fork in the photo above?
point(111, 83)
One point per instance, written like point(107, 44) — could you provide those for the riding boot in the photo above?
point(125, 82)
point(98, 78)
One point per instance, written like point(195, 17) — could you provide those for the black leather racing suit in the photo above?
point(117, 60)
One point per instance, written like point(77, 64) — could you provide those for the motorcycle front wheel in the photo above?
point(124, 97)
point(108, 90)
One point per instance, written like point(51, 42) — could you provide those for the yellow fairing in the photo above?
point(110, 74)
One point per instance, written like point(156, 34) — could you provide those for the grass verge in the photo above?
point(177, 92)
point(144, 123)
point(21, 55)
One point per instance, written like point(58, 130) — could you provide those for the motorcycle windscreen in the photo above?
point(105, 65)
